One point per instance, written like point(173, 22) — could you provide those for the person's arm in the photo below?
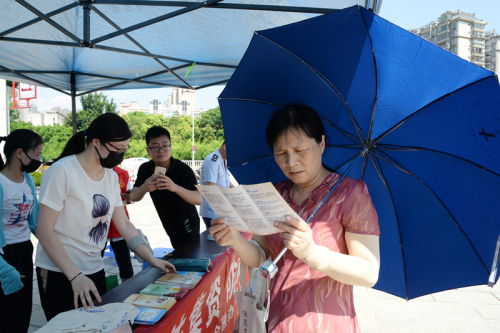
point(359, 267)
point(246, 250)
point(128, 231)
point(82, 285)
point(9, 278)
point(192, 197)
point(143, 184)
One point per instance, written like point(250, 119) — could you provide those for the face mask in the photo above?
point(112, 160)
point(32, 166)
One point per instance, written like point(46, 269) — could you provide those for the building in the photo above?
point(492, 51)
point(458, 32)
point(45, 118)
point(184, 100)
point(154, 107)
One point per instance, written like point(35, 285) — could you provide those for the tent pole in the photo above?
point(73, 100)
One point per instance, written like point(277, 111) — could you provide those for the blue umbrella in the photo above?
point(429, 120)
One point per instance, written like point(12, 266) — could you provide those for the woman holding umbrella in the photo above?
point(312, 290)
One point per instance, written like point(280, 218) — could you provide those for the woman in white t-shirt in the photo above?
point(79, 195)
point(19, 215)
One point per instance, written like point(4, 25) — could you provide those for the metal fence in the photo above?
point(197, 163)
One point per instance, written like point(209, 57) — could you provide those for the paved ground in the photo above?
point(466, 310)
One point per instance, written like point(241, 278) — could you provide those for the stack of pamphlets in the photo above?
point(148, 316)
point(148, 301)
point(164, 290)
point(190, 273)
point(188, 281)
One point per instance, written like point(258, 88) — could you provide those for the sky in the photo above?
point(408, 14)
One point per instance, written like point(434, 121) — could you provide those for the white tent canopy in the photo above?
point(77, 47)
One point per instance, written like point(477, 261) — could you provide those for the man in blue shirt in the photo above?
point(214, 172)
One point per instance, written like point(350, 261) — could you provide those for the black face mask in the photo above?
point(32, 166)
point(112, 160)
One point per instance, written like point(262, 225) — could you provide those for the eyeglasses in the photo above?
point(118, 151)
point(158, 149)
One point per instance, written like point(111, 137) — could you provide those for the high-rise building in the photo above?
point(184, 100)
point(492, 51)
point(458, 32)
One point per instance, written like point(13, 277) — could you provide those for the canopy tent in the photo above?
point(81, 46)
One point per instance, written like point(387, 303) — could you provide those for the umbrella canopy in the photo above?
point(428, 119)
point(90, 45)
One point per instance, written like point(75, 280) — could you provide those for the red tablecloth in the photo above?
point(210, 306)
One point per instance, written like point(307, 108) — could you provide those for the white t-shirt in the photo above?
point(85, 207)
point(17, 206)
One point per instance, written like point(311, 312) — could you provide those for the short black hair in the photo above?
point(294, 116)
point(156, 132)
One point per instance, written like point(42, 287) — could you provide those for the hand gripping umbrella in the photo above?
point(424, 123)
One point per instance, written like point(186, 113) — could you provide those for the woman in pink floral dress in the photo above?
point(312, 291)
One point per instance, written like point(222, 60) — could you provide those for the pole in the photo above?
point(73, 100)
point(192, 116)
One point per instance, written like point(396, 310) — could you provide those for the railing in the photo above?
point(197, 163)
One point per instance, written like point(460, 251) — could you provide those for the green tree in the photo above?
point(93, 105)
point(213, 118)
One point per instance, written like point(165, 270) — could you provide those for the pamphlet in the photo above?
point(190, 273)
point(248, 208)
point(149, 316)
point(148, 301)
point(164, 290)
point(189, 281)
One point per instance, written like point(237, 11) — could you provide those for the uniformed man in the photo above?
point(214, 172)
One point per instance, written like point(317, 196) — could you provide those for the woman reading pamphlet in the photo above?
point(337, 249)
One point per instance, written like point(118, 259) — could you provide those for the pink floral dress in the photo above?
point(305, 300)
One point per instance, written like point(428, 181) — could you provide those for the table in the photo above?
point(209, 307)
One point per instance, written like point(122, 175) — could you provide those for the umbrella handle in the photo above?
point(269, 269)
point(494, 268)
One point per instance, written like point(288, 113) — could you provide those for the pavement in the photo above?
point(465, 310)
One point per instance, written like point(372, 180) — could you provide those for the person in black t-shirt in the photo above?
point(174, 194)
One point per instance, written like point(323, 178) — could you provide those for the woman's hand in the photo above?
point(295, 232)
point(82, 286)
point(222, 233)
point(163, 265)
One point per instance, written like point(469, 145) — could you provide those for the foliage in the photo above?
point(37, 177)
point(213, 118)
point(93, 105)
point(54, 137)
point(208, 131)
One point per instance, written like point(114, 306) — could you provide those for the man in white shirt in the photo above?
point(214, 172)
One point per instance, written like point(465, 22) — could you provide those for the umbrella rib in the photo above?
point(386, 184)
point(252, 159)
point(391, 161)
point(387, 132)
point(376, 78)
point(251, 100)
point(344, 132)
point(444, 153)
point(354, 146)
point(353, 120)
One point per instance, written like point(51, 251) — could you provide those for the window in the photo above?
point(453, 49)
point(479, 26)
point(453, 24)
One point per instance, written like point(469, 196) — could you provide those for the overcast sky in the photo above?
point(405, 13)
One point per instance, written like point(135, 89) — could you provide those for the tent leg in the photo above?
point(73, 101)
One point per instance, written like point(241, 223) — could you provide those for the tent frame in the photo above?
point(86, 42)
